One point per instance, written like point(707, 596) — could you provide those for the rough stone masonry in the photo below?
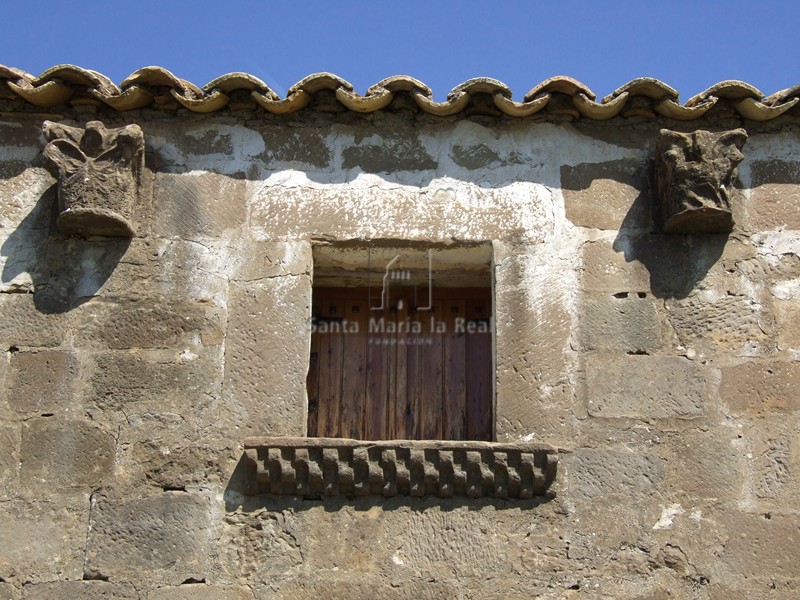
point(156, 274)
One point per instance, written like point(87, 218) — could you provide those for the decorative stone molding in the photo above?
point(694, 175)
point(321, 467)
point(99, 173)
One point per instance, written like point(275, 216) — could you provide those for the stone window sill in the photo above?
point(324, 467)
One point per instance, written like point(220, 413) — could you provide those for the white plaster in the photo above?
point(668, 513)
point(245, 145)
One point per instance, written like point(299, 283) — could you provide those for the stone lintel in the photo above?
point(321, 467)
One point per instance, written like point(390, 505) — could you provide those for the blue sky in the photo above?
point(689, 45)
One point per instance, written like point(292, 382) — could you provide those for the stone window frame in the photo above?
point(317, 468)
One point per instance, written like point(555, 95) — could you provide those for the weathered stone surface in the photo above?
point(327, 589)
point(319, 467)
point(705, 464)
point(9, 459)
point(150, 323)
point(65, 454)
point(8, 592)
point(165, 381)
point(727, 323)
point(395, 151)
point(198, 205)
point(593, 472)
point(43, 541)
point(533, 371)
point(22, 325)
point(42, 381)
point(760, 544)
point(99, 172)
point(608, 270)
point(625, 386)
point(266, 356)
point(443, 211)
point(81, 590)
point(265, 259)
point(694, 176)
point(625, 322)
point(160, 539)
point(260, 547)
point(774, 195)
point(201, 591)
point(612, 195)
point(164, 451)
point(761, 388)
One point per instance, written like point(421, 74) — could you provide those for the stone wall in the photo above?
point(663, 367)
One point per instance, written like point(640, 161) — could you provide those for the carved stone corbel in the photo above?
point(99, 173)
point(694, 176)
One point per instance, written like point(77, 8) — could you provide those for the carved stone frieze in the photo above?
point(99, 174)
point(320, 467)
point(694, 176)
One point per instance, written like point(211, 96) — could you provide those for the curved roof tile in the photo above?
point(156, 87)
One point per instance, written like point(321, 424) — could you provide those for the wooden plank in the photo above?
point(354, 369)
point(455, 365)
point(432, 355)
point(376, 425)
point(312, 386)
point(479, 361)
point(404, 418)
point(331, 364)
point(392, 379)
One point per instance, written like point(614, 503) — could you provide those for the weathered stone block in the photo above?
point(761, 545)
point(9, 459)
point(593, 472)
point(65, 454)
point(180, 382)
point(610, 195)
point(41, 381)
point(774, 195)
point(534, 358)
point(721, 323)
point(161, 539)
point(521, 211)
point(644, 387)
point(81, 590)
point(608, 270)
point(324, 588)
point(23, 325)
point(201, 591)
point(626, 322)
point(43, 541)
point(761, 388)
point(787, 316)
point(27, 194)
point(263, 259)
point(161, 450)
point(150, 323)
point(8, 592)
point(705, 464)
point(198, 205)
point(261, 547)
point(266, 357)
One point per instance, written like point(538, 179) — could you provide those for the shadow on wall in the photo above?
point(676, 263)
point(65, 271)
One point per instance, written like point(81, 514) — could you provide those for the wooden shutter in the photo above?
point(402, 372)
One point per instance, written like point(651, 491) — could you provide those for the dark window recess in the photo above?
point(413, 370)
